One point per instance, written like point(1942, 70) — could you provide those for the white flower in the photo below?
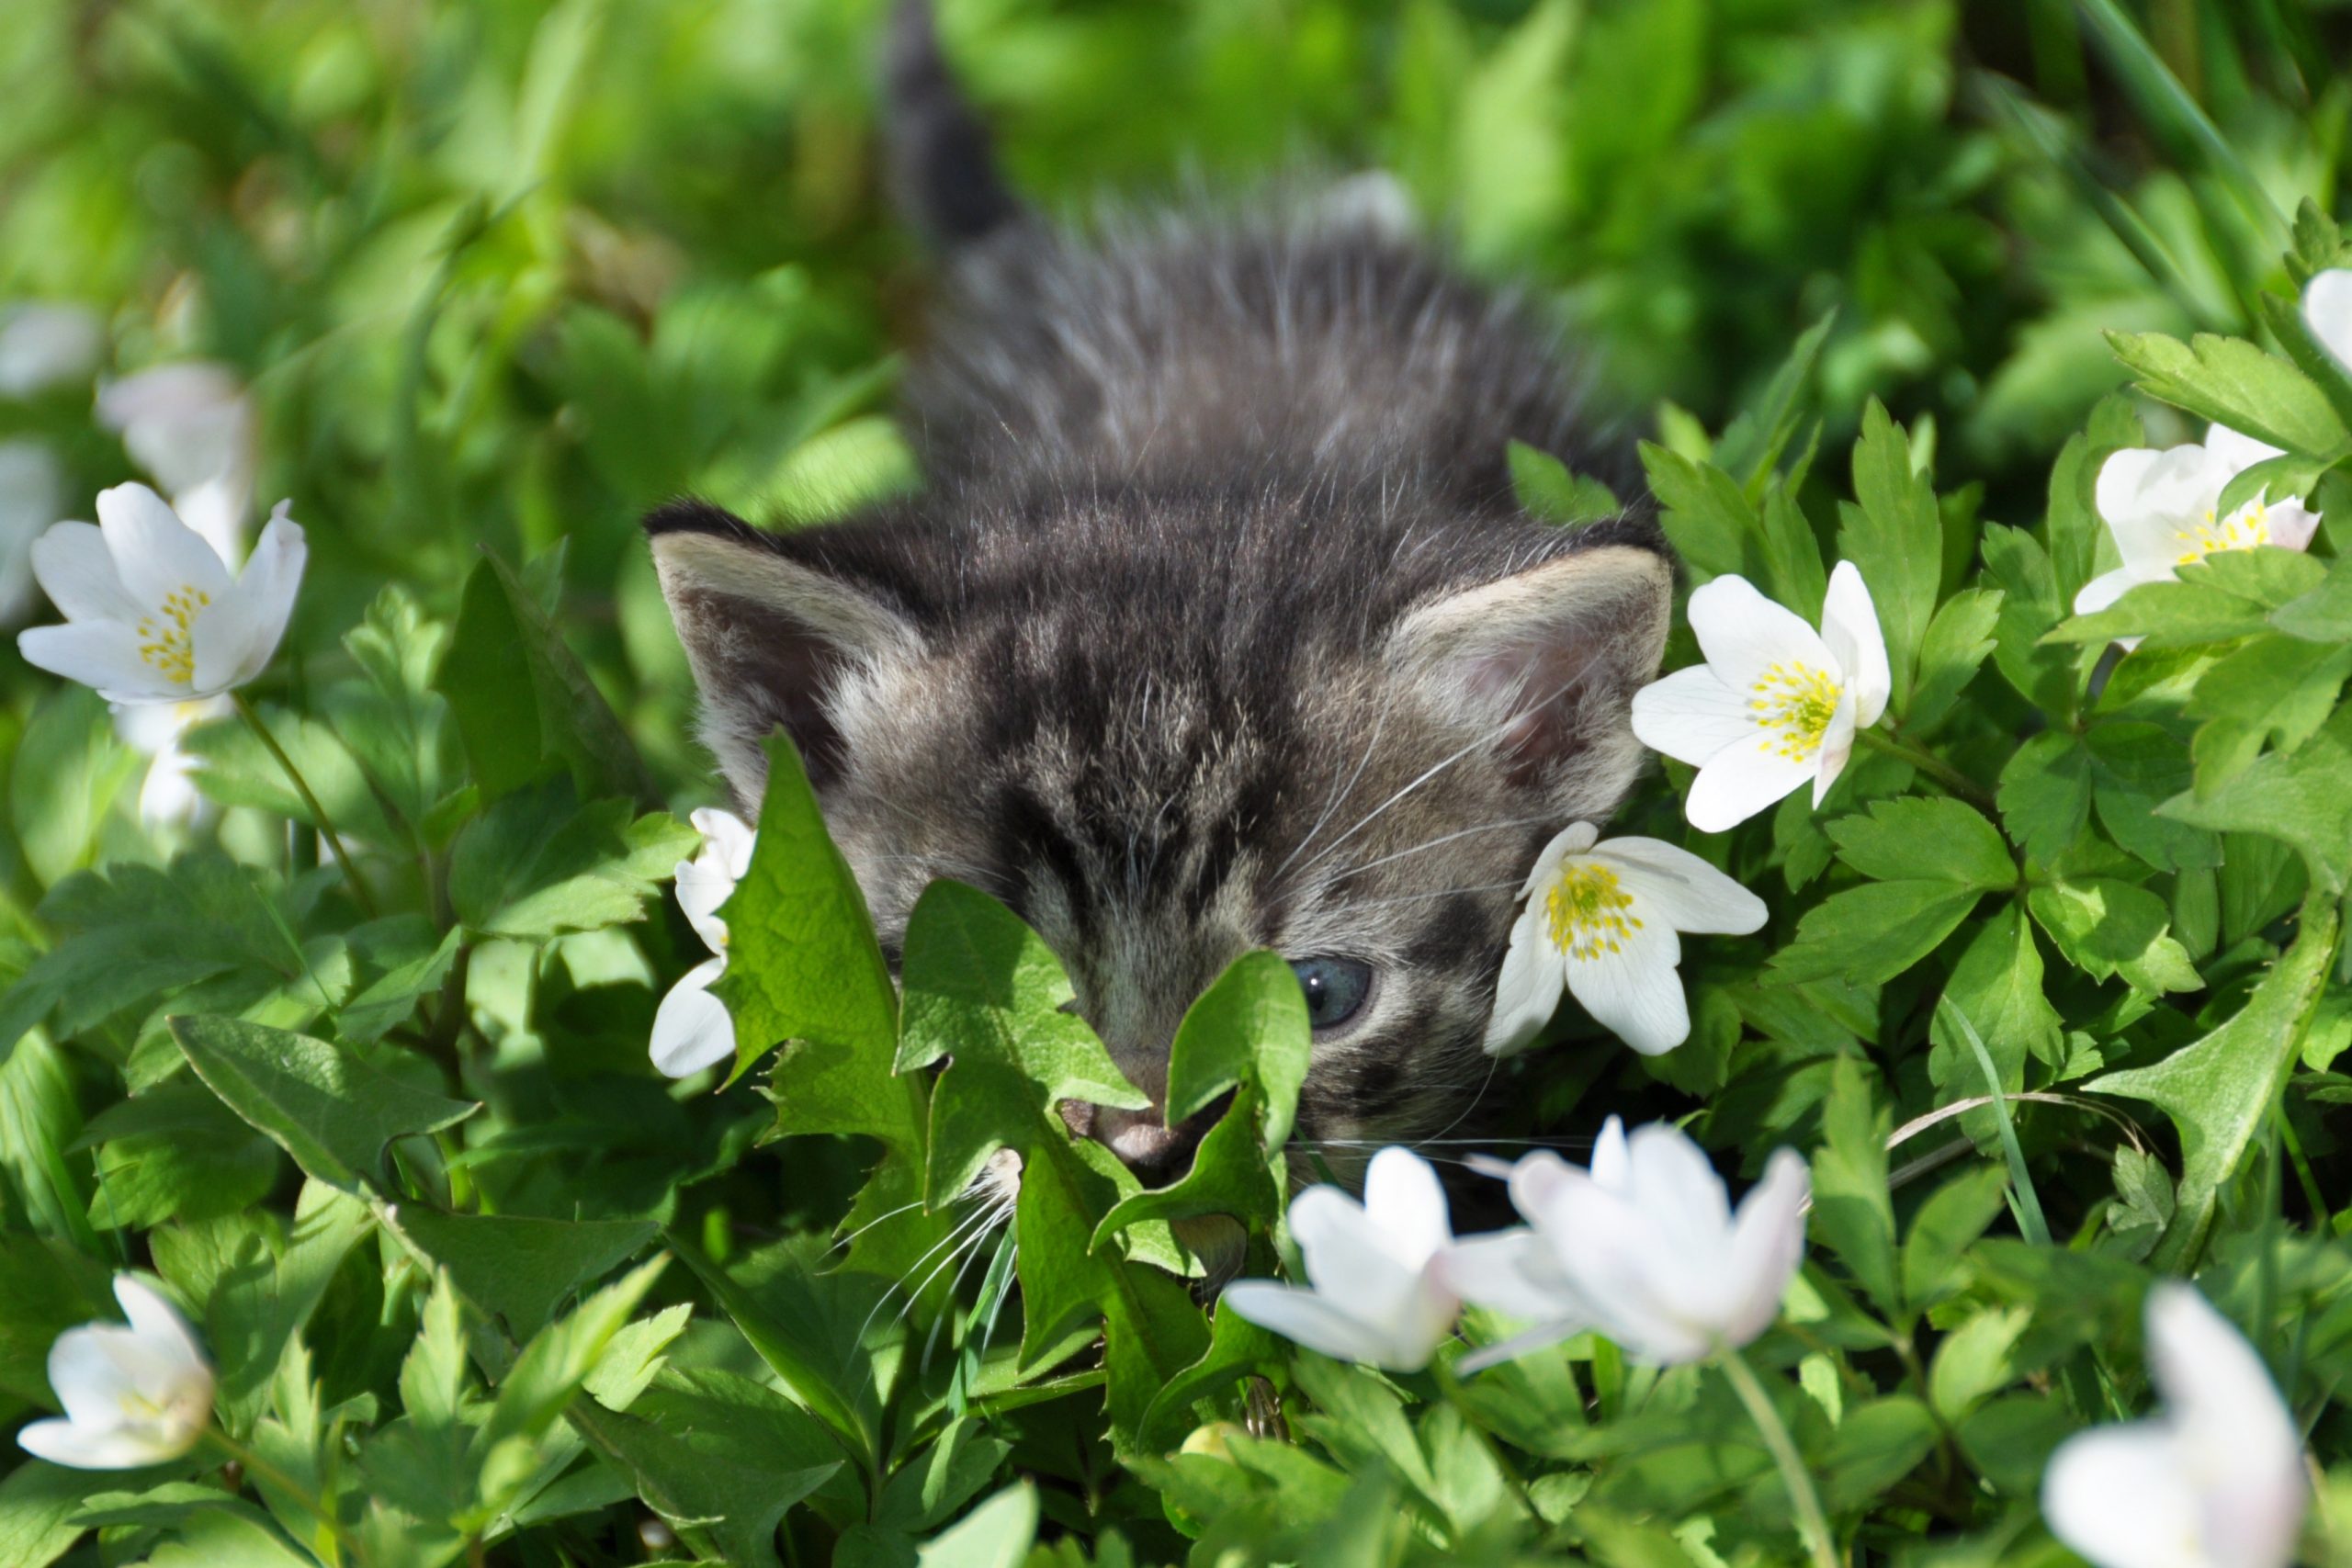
point(168, 797)
point(151, 615)
point(133, 1396)
point(192, 427)
point(2215, 1482)
point(691, 1028)
point(2160, 507)
point(1373, 1293)
point(1600, 921)
point(2327, 311)
point(1775, 704)
point(33, 496)
point(46, 345)
point(1644, 1247)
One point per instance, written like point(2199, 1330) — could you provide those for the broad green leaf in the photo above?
point(2227, 595)
point(1237, 1348)
point(1870, 934)
point(1231, 1174)
point(46, 1288)
point(2298, 797)
point(63, 779)
point(1550, 493)
point(803, 965)
point(1943, 1230)
point(934, 1486)
point(2135, 767)
point(2232, 382)
point(534, 864)
point(2042, 674)
point(395, 723)
point(983, 988)
point(329, 1109)
point(519, 1268)
point(718, 1456)
point(2106, 928)
point(2219, 1089)
point(2324, 614)
point(1753, 443)
point(2274, 691)
point(1851, 1211)
point(2045, 795)
point(235, 769)
point(1972, 1363)
point(175, 1150)
point(38, 1505)
point(1249, 1026)
point(1894, 535)
point(1876, 1445)
point(997, 1534)
point(518, 731)
point(265, 1293)
point(1924, 836)
point(560, 1357)
point(1997, 986)
point(1955, 645)
point(1709, 522)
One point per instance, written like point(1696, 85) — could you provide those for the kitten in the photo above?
point(1217, 626)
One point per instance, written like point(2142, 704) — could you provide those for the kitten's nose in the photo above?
point(1156, 1153)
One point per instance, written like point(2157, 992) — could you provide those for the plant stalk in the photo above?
point(361, 894)
point(1935, 768)
point(1812, 1523)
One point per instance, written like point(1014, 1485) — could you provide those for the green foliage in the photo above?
point(1882, 281)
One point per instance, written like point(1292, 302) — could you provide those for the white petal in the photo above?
point(729, 836)
point(156, 553)
point(2327, 311)
point(1767, 1245)
point(1402, 1195)
point(1527, 993)
point(1510, 1272)
point(76, 570)
point(1306, 1318)
point(2108, 587)
point(94, 1370)
point(1351, 1258)
point(85, 1447)
point(1572, 839)
point(1692, 716)
point(1535, 1184)
point(218, 510)
point(1742, 781)
point(1744, 634)
point(2117, 1495)
point(1683, 890)
point(155, 1320)
point(2148, 498)
point(2237, 451)
point(263, 599)
point(1836, 747)
point(46, 345)
point(184, 424)
point(692, 1028)
point(1607, 1246)
point(2216, 1388)
point(103, 655)
point(1635, 992)
point(2291, 526)
point(1612, 1158)
point(1850, 626)
point(167, 796)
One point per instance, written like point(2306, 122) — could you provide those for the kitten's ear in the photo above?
point(1547, 662)
point(775, 643)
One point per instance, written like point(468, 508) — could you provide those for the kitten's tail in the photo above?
point(942, 161)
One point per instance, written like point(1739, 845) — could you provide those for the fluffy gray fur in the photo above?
point(1216, 628)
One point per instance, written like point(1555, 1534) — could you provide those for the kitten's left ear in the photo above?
point(1547, 662)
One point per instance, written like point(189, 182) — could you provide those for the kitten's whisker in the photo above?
point(1378, 724)
point(1338, 876)
point(1471, 1104)
point(997, 1214)
point(892, 1214)
point(898, 1284)
point(1414, 897)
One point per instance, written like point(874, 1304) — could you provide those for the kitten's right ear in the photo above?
point(775, 643)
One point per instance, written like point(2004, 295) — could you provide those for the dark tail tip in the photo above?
point(943, 163)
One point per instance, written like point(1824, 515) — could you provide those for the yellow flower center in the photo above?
point(167, 639)
point(1587, 911)
point(1794, 704)
point(2248, 526)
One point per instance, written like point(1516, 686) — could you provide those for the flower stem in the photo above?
point(260, 1469)
point(1934, 767)
point(1812, 1523)
point(359, 891)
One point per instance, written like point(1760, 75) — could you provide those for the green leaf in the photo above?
point(2274, 690)
point(983, 988)
point(2135, 767)
point(1548, 492)
point(1237, 1348)
point(2227, 595)
point(517, 732)
point(1924, 836)
point(1997, 986)
point(997, 1534)
point(2232, 382)
point(2106, 928)
point(2219, 1089)
point(1894, 535)
point(235, 769)
point(803, 966)
point(535, 865)
point(331, 1111)
point(1870, 934)
point(1706, 518)
point(62, 781)
point(46, 1288)
point(1974, 1362)
point(175, 1150)
point(2298, 797)
point(38, 1505)
point(264, 1292)
point(1851, 1211)
point(1250, 1026)
point(1753, 443)
point(1954, 646)
point(1943, 1230)
point(720, 1456)
point(2045, 795)
point(519, 1268)
point(395, 723)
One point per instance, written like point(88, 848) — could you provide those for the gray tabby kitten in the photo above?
point(1216, 628)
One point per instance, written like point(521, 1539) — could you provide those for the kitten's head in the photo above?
point(1167, 730)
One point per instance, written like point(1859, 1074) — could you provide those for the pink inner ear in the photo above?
point(1540, 692)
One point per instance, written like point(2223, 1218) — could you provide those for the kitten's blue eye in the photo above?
point(1334, 987)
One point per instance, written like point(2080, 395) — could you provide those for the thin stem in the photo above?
point(1812, 1523)
point(253, 1464)
point(1934, 767)
point(359, 891)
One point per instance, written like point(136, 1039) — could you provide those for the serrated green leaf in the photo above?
point(536, 865)
point(1997, 987)
point(2298, 797)
point(1851, 1211)
point(1870, 934)
point(1548, 492)
point(2232, 382)
point(331, 1111)
point(2106, 928)
point(1956, 643)
point(1894, 535)
point(1927, 837)
point(516, 1268)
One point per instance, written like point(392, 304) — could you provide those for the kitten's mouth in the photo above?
point(1146, 1145)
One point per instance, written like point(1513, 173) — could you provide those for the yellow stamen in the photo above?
point(1793, 703)
point(1587, 911)
point(167, 639)
point(2248, 526)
